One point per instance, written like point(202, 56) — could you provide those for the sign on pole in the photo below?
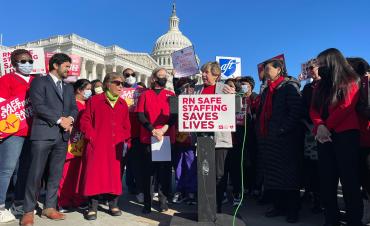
point(206, 113)
point(184, 62)
point(231, 67)
point(75, 68)
point(38, 57)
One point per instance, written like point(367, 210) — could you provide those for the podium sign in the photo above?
point(207, 113)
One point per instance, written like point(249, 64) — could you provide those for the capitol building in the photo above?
point(97, 60)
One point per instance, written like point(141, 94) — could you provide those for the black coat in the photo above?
point(48, 106)
point(280, 152)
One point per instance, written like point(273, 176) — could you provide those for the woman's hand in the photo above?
point(164, 129)
point(158, 134)
point(323, 135)
point(228, 89)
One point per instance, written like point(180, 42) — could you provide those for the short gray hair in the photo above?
point(110, 77)
point(154, 73)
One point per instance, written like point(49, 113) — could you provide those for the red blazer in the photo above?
point(343, 115)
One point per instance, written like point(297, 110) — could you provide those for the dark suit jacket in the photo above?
point(48, 106)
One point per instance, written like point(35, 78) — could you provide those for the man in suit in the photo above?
point(55, 109)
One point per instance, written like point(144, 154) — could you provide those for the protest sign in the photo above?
point(75, 68)
point(260, 66)
point(131, 96)
point(184, 62)
point(230, 67)
point(206, 113)
point(76, 144)
point(37, 56)
point(14, 113)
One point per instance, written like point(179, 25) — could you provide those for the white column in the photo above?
point(146, 80)
point(93, 74)
point(83, 68)
point(114, 67)
point(103, 72)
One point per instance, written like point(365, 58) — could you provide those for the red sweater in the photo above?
point(342, 116)
point(209, 89)
point(156, 108)
point(12, 85)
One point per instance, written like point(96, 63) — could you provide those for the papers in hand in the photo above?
point(161, 150)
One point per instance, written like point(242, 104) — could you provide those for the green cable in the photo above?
point(242, 166)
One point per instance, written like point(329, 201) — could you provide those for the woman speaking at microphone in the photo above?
point(156, 121)
point(211, 73)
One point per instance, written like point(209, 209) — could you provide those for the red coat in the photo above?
point(342, 116)
point(106, 129)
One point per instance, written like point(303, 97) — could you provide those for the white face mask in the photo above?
point(245, 88)
point(131, 80)
point(98, 90)
point(26, 68)
point(87, 94)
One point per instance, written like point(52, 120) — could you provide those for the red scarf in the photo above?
point(267, 106)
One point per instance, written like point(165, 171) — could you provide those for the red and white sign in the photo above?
point(75, 69)
point(37, 56)
point(13, 115)
point(206, 113)
point(131, 96)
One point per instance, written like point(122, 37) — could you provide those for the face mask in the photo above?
point(87, 94)
point(98, 90)
point(130, 80)
point(161, 82)
point(245, 88)
point(324, 72)
point(26, 68)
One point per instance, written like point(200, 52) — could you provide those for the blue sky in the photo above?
point(253, 30)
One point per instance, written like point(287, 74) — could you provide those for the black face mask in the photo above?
point(161, 82)
point(324, 72)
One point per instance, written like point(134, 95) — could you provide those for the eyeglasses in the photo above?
point(126, 75)
point(117, 83)
point(25, 61)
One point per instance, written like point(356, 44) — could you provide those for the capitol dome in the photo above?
point(168, 43)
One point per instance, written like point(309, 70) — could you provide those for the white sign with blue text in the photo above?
point(231, 67)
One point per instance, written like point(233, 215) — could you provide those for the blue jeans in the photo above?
point(10, 150)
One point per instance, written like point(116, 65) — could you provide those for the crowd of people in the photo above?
point(298, 142)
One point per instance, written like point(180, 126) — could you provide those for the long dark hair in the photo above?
point(360, 65)
point(336, 75)
point(80, 84)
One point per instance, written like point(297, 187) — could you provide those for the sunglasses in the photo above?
point(117, 83)
point(25, 61)
point(126, 75)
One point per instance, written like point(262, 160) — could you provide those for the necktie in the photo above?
point(59, 87)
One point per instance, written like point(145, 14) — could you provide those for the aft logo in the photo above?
point(230, 66)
